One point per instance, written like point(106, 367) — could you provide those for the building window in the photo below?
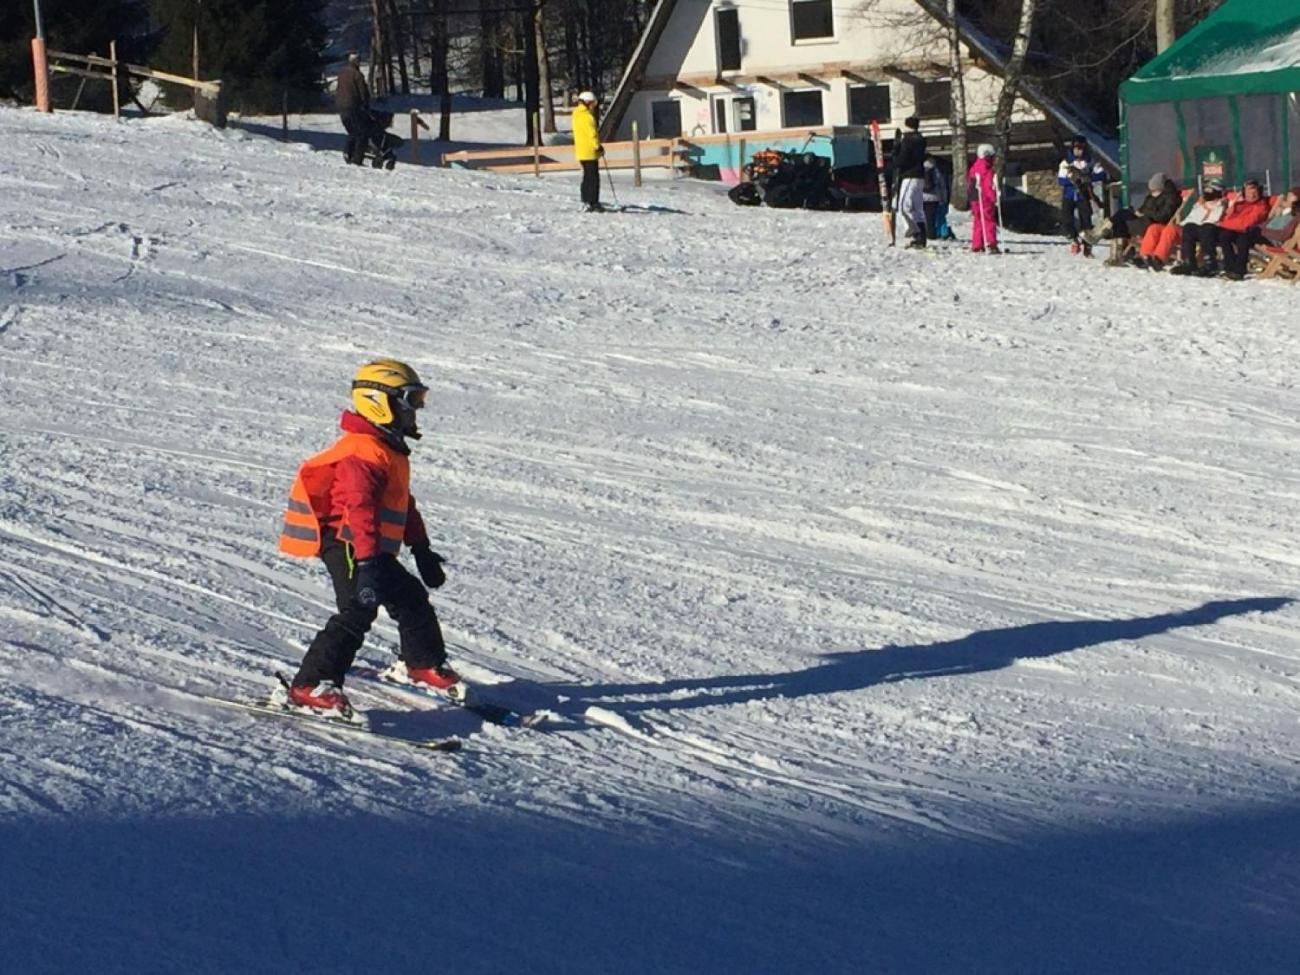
point(746, 114)
point(811, 19)
point(934, 99)
point(666, 119)
point(869, 103)
point(728, 23)
point(802, 108)
point(719, 116)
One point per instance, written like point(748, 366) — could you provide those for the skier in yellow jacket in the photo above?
point(588, 150)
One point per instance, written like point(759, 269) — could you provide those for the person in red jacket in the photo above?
point(1246, 212)
point(351, 506)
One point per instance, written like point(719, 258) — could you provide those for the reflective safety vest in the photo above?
point(310, 504)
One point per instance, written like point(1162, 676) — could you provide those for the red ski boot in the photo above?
point(441, 678)
point(325, 698)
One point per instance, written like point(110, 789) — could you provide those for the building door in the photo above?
point(745, 113)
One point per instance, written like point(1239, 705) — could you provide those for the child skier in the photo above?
point(935, 195)
point(351, 506)
point(982, 190)
point(1077, 175)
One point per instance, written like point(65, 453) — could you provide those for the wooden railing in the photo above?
point(208, 103)
point(645, 153)
point(634, 154)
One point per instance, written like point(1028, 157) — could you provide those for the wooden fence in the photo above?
point(537, 159)
point(636, 154)
point(208, 102)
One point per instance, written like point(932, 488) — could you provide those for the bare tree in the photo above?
point(543, 69)
point(1015, 70)
point(439, 75)
point(1166, 29)
point(957, 112)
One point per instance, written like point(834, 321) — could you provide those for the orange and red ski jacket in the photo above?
point(360, 490)
point(1242, 215)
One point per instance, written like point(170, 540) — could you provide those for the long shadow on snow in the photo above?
point(431, 150)
point(857, 669)
point(489, 890)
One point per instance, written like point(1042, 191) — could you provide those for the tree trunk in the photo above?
point(1011, 83)
point(957, 106)
point(543, 71)
point(595, 55)
point(1166, 31)
point(439, 82)
point(399, 46)
point(378, 77)
point(532, 72)
point(494, 85)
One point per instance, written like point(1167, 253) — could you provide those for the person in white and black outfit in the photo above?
point(1201, 228)
point(909, 174)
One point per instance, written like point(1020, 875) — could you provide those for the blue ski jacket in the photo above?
point(1080, 169)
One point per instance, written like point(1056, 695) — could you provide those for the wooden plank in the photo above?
point(612, 149)
point(507, 157)
point(558, 167)
point(82, 72)
point(112, 53)
point(135, 69)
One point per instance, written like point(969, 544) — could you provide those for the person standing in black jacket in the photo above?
point(352, 99)
point(909, 174)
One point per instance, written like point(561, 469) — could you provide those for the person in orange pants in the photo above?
point(1159, 243)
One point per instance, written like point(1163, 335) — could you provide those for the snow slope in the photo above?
point(905, 612)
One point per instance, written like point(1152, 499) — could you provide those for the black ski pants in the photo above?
point(1236, 246)
point(931, 219)
point(591, 182)
point(1205, 234)
point(1076, 216)
point(404, 597)
point(1126, 223)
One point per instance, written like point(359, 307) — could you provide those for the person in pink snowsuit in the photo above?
point(983, 193)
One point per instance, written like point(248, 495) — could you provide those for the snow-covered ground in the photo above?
point(944, 603)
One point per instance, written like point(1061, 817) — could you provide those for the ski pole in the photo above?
point(610, 176)
point(997, 194)
point(979, 200)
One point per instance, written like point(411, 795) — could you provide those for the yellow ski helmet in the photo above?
point(387, 393)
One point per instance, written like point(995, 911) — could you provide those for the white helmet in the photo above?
point(985, 151)
point(586, 96)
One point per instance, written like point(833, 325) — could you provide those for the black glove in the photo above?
point(369, 587)
point(429, 563)
point(600, 151)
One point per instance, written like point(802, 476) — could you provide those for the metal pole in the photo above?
point(40, 66)
point(612, 192)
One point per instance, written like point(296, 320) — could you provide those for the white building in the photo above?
point(709, 67)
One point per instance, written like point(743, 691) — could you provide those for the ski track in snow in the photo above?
point(844, 567)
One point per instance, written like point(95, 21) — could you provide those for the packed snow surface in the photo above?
point(903, 612)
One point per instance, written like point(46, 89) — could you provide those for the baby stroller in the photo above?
point(382, 145)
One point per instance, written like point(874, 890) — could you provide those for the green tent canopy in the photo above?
point(1224, 100)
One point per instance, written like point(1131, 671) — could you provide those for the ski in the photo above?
point(493, 713)
point(276, 709)
point(886, 204)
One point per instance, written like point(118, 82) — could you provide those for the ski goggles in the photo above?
point(413, 397)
